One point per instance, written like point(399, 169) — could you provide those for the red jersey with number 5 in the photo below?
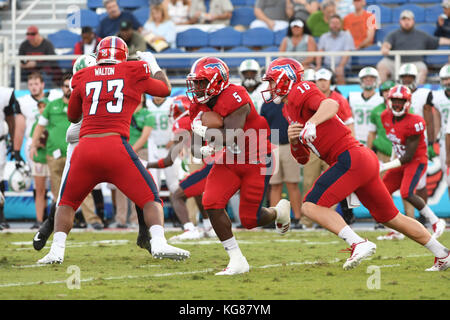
point(399, 130)
point(107, 95)
point(333, 137)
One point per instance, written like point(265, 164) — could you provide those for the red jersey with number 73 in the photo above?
point(399, 130)
point(107, 95)
point(333, 137)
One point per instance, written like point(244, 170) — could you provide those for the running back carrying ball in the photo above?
point(212, 119)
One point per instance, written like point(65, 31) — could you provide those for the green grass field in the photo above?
point(300, 265)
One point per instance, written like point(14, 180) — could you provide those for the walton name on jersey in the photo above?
point(106, 71)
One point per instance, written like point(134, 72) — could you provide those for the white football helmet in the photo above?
point(250, 65)
point(20, 179)
point(444, 75)
point(86, 60)
point(309, 75)
point(408, 69)
point(368, 72)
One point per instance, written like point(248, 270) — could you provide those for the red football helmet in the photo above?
point(283, 72)
point(399, 100)
point(112, 50)
point(179, 107)
point(208, 77)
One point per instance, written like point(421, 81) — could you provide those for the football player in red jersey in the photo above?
point(353, 167)
point(105, 96)
point(407, 133)
point(194, 184)
point(241, 165)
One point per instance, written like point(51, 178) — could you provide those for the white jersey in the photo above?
point(419, 99)
point(256, 96)
point(361, 109)
point(73, 132)
point(162, 131)
point(5, 98)
point(442, 103)
point(29, 109)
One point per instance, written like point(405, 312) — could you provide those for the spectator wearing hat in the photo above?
point(299, 39)
point(361, 24)
point(88, 42)
point(443, 22)
point(132, 38)
point(407, 38)
point(36, 45)
point(110, 24)
point(335, 40)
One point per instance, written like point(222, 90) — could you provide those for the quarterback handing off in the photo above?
point(105, 96)
point(353, 167)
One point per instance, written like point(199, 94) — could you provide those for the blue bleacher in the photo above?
point(133, 4)
point(94, 4)
point(419, 12)
point(225, 38)
point(425, 1)
point(192, 38)
point(437, 60)
point(367, 60)
point(235, 62)
point(426, 27)
point(432, 13)
point(388, 2)
point(180, 63)
point(279, 35)
point(385, 14)
point(384, 31)
point(64, 39)
point(142, 14)
point(242, 16)
point(88, 18)
point(258, 37)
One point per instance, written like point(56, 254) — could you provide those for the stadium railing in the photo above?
point(14, 60)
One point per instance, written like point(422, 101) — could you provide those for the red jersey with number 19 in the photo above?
point(107, 95)
point(333, 137)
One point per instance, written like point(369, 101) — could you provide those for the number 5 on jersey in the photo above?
point(97, 86)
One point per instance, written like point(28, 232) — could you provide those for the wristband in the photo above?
point(161, 164)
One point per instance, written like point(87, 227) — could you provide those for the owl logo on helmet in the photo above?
point(282, 73)
point(20, 179)
point(399, 100)
point(84, 61)
point(208, 77)
point(179, 107)
point(112, 50)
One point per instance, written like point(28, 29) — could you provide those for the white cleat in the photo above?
point(283, 221)
point(51, 258)
point(209, 233)
point(235, 266)
point(440, 264)
point(438, 228)
point(393, 235)
point(359, 252)
point(162, 250)
point(194, 234)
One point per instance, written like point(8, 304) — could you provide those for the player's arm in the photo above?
point(411, 144)
point(159, 85)
point(327, 109)
point(74, 111)
point(429, 120)
point(38, 131)
point(370, 138)
point(140, 142)
point(298, 150)
point(174, 151)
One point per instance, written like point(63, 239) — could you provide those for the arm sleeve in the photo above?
point(300, 153)
point(232, 100)
point(414, 128)
point(154, 87)
point(10, 109)
point(313, 99)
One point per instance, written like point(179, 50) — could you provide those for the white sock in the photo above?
point(157, 231)
point(349, 236)
point(207, 224)
point(232, 248)
point(188, 226)
point(429, 214)
point(59, 238)
point(436, 248)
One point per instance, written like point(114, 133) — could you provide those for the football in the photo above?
point(212, 119)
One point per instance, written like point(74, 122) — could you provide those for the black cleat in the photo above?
point(143, 240)
point(4, 225)
point(44, 232)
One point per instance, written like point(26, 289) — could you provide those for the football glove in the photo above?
point(20, 163)
point(150, 59)
point(207, 151)
point(197, 126)
point(308, 134)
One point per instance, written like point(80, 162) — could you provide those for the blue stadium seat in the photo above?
point(64, 39)
point(88, 18)
point(235, 62)
point(390, 1)
point(66, 64)
point(192, 38)
point(432, 13)
point(258, 37)
point(425, 1)
point(94, 4)
point(384, 31)
point(427, 27)
point(204, 50)
point(225, 38)
point(279, 35)
point(133, 4)
point(242, 16)
point(419, 12)
point(239, 3)
point(170, 63)
point(142, 14)
point(385, 14)
point(438, 61)
point(367, 60)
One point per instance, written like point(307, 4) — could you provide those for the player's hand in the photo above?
point(294, 132)
point(197, 126)
point(33, 151)
point(308, 134)
point(433, 150)
point(150, 59)
point(20, 162)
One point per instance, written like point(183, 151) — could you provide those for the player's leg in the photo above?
point(39, 201)
point(143, 238)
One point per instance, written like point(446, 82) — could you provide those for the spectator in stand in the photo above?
point(336, 40)
point(220, 12)
point(344, 7)
point(159, 31)
point(178, 10)
point(361, 25)
point(301, 9)
point(443, 22)
point(109, 25)
point(407, 38)
point(35, 45)
point(318, 22)
point(88, 42)
point(299, 39)
point(134, 40)
point(272, 14)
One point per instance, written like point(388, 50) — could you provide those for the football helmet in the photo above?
point(399, 100)
point(368, 72)
point(444, 76)
point(179, 107)
point(112, 50)
point(208, 77)
point(309, 75)
point(387, 85)
point(408, 69)
point(84, 61)
point(20, 179)
point(250, 65)
point(283, 73)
